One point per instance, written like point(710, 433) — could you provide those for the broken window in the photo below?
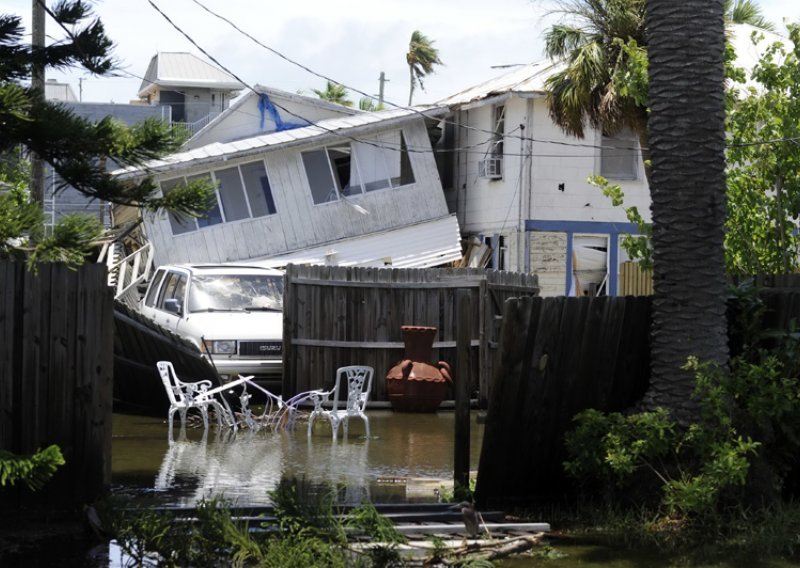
point(590, 265)
point(379, 162)
point(619, 155)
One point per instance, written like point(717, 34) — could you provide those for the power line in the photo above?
point(401, 107)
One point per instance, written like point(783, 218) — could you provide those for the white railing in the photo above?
point(195, 127)
point(126, 274)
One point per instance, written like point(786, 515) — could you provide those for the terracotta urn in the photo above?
point(416, 384)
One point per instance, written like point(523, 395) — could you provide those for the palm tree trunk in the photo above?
point(687, 141)
point(411, 84)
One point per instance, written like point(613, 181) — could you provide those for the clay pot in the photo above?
point(416, 384)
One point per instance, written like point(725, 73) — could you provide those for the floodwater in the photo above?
point(408, 457)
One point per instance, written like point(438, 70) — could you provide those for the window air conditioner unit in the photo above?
point(491, 168)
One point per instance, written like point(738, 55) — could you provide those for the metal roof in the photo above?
point(343, 126)
point(422, 245)
point(171, 69)
point(526, 80)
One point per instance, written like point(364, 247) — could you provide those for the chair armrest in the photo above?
point(318, 397)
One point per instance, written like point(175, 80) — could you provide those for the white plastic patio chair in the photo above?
point(185, 395)
point(358, 383)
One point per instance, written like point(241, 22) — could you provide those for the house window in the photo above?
point(619, 155)
point(499, 252)
point(491, 166)
point(319, 175)
point(231, 194)
point(242, 192)
point(499, 131)
point(214, 215)
point(590, 265)
point(351, 169)
point(180, 223)
point(259, 192)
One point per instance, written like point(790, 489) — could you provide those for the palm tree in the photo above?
point(421, 58)
point(335, 93)
point(746, 12)
point(369, 104)
point(686, 46)
point(604, 81)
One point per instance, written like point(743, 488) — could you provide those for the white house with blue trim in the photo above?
point(518, 183)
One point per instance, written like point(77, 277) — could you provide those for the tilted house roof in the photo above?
point(344, 128)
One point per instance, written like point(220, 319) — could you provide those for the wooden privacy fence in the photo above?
point(336, 316)
point(56, 375)
point(557, 356)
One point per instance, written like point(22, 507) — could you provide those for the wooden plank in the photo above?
point(462, 388)
point(539, 401)
point(496, 455)
point(373, 344)
point(458, 528)
point(412, 285)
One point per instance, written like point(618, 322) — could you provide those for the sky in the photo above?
point(349, 41)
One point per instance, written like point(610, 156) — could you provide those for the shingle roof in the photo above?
point(171, 69)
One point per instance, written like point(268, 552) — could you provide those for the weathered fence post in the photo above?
point(462, 390)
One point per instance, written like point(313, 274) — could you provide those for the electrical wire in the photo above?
point(401, 107)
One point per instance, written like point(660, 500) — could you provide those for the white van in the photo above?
point(233, 313)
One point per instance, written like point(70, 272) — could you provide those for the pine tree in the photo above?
point(78, 150)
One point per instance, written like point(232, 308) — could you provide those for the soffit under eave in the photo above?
point(496, 99)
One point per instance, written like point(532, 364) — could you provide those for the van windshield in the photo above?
point(235, 292)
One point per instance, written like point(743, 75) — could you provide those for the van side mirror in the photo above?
point(173, 306)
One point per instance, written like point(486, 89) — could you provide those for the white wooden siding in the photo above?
point(486, 205)
point(298, 223)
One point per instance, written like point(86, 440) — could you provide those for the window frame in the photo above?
point(195, 224)
point(623, 138)
point(335, 192)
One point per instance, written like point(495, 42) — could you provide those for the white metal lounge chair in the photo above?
point(358, 383)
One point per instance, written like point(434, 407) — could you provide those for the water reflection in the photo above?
point(406, 458)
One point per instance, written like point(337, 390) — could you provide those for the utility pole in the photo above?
point(382, 79)
point(37, 85)
point(80, 89)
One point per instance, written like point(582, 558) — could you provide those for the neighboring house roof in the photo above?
point(127, 113)
point(421, 245)
point(55, 91)
point(526, 81)
point(340, 127)
point(259, 90)
point(171, 69)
